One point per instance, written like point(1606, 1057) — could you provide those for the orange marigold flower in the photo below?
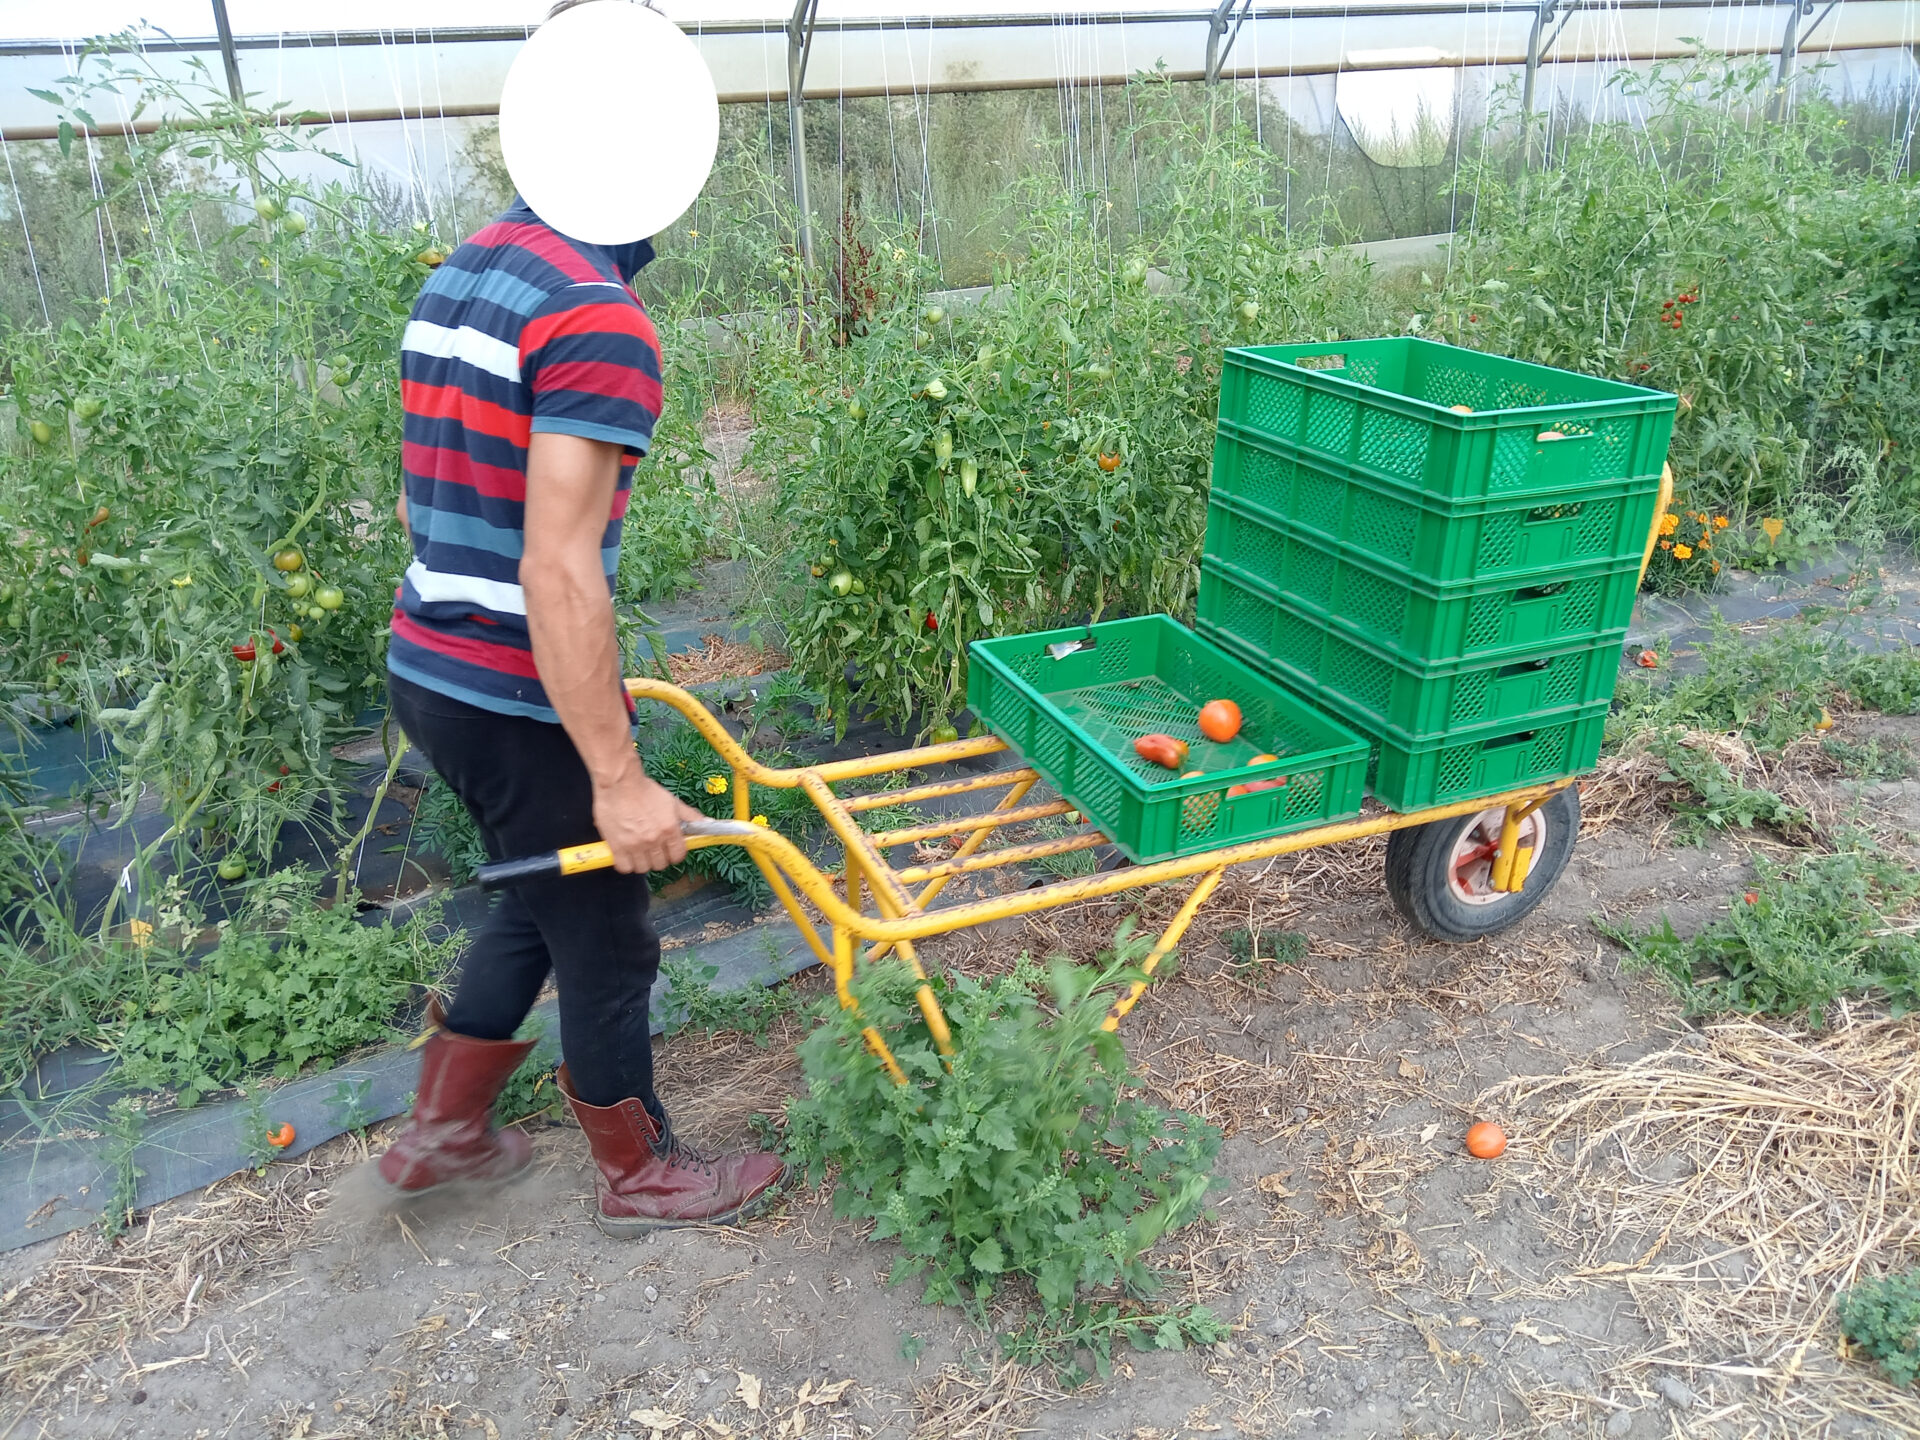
point(1716, 567)
point(1666, 544)
point(1720, 522)
point(1683, 552)
point(1669, 523)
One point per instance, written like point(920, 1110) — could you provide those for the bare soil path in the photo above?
point(1380, 1283)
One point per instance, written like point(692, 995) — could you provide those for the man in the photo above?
point(530, 377)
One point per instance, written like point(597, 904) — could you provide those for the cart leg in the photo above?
point(1015, 794)
point(1512, 861)
point(1163, 947)
point(889, 905)
point(843, 984)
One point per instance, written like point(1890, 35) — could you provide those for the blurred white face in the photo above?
point(609, 122)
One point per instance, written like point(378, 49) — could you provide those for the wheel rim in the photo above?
point(1470, 866)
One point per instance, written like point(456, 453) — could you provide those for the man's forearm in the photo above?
point(577, 652)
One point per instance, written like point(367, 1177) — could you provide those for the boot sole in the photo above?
point(395, 1194)
point(629, 1227)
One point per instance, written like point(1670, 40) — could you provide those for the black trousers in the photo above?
point(528, 791)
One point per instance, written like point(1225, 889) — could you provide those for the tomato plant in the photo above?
point(1761, 269)
point(1042, 456)
point(233, 496)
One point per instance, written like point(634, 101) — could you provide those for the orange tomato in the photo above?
point(1220, 720)
point(282, 1137)
point(1648, 660)
point(1109, 462)
point(1486, 1141)
point(1263, 759)
point(1161, 750)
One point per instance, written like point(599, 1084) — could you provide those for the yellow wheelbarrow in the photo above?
point(1457, 871)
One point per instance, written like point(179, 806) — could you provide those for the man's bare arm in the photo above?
point(570, 485)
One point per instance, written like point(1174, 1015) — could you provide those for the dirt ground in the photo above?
point(1379, 1281)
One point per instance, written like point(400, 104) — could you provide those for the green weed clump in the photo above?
point(1882, 1317)
point(1029, 1159)
point(691, 1002)
point(1805, 936)
point(288, 984)
point(1768, 691)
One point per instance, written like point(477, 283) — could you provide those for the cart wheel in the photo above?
point(1440, 875)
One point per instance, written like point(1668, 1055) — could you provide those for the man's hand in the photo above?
point(640, 821)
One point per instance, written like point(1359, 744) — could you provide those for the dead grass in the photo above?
point(1634, 785)
point(722, 659)
point(1733, 1186)
point(99, 1297)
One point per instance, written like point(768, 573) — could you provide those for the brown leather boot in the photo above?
point(651, 1179)
point(451, 1140)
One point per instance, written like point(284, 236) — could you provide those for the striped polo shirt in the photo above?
point(520, 330)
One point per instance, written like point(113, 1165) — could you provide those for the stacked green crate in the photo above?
point(1441, 547)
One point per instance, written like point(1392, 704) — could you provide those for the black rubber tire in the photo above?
point(1417, 860)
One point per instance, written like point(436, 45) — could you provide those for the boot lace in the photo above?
point(680, 1153)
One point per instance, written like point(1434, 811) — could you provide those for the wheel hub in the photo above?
point(1470, 867)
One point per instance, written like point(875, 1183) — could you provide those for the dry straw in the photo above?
point(1736, 1182)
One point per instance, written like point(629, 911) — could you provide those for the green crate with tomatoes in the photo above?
point(1452, 423)
point(1112, 716)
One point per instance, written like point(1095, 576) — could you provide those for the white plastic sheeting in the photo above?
point(388, 73)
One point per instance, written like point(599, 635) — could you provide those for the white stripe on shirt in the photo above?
point(467, 344)
point(437, 587)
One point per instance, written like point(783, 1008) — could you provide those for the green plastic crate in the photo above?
point(1420, 622)
point(1440, 542)
point(1075, 718)
point(1385, 406)
point(1324, 659)
point(1487, 760)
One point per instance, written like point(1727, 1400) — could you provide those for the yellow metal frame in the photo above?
point(898, 916)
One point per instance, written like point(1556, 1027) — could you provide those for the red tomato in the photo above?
point(1486, 1141)
point(1161, 750)
point(244, 653)
point(1220, 720)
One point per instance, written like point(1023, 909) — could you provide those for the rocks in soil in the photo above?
point(1674, 1392)
point(1619, 1425)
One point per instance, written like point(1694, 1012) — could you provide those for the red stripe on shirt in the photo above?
point(456, 467)
point(506, 659)
point(450, 402)
point(606, 315)
point(550, 247)
point(600, 377)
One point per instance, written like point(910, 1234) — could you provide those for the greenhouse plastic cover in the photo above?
point(438, 57)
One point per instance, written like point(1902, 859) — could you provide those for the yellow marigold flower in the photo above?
point(1669, 523)
point(1720, 522)
point(1683, 552)
point(760, 820)
point(716, 784)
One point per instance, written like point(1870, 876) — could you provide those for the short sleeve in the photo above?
point(592, 360)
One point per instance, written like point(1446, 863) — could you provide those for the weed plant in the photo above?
point(1882, 1316)
point(692, 1002)
point(287, 984)
point(1809, 933)
point(1024, 1157)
